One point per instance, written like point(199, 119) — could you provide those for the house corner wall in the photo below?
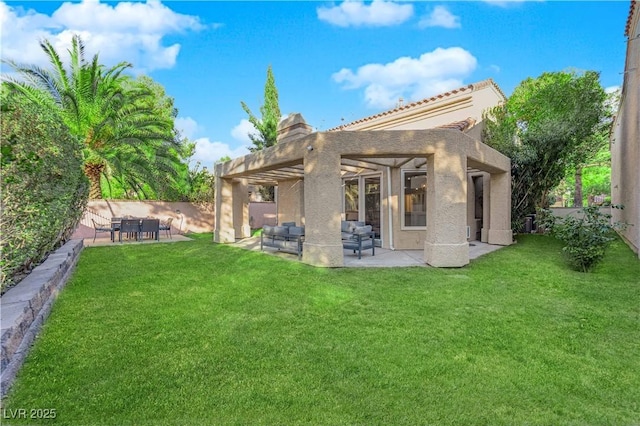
point(625, 144)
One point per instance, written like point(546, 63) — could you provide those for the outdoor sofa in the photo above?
point(289, 238)
point(286, 237)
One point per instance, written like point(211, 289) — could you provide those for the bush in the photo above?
point(586, 238)
point(44, 190)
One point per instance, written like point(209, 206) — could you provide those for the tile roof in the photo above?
point(469, 87)
point(459, 125)
point(632, 9)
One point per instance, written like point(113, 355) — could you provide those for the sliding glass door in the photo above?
point(362, 201)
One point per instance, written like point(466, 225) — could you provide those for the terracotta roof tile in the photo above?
point(469, 87)
point(632, 9)
point(459, 125)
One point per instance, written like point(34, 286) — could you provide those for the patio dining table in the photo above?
point(137, 226)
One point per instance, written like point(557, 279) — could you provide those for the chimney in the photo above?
point(293, 127)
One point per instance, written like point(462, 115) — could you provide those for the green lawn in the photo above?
point(197, 333)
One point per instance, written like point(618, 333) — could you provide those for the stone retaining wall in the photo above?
point(27, 305)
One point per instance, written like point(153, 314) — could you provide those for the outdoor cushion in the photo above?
point(280, 230)
point(296, 230)
point(362, 230)
point(350, 225)
point(267, 229)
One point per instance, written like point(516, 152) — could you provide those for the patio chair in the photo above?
point(131, 227)
point(101, 227)
point(151, 226)
point(165, 225)
point(115, 224)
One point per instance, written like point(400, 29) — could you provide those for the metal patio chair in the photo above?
point(165, 225)
point(131, 227)
point(151, 226)
point(101, 227)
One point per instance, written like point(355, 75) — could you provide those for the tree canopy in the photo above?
point(546, 127)
point(126, 124)
point(267, 126)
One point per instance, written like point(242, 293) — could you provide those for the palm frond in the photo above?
point(58, 66)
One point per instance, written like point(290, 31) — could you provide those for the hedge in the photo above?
point(44, 189)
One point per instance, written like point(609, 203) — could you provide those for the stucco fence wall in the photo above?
point(187, 217)
point(262, 213)
point(575, 211)
point(562, 212)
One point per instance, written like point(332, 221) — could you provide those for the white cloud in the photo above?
point(409, 78)
point(187, 126)
point(379, 13)
point(612, 89)
point(126, 31)
point(151, 17)
point(494, 68)
point(440, 17)
point(208, 152)
point(242, 130)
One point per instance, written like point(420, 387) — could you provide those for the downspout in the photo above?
point(391, 247)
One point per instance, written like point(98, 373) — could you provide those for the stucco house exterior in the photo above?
point(418, 174)
point(625, 138)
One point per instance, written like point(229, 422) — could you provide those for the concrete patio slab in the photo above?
point(383, 257)
point(105, 240)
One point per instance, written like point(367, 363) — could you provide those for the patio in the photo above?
point(105, 240)
point(383, 258)
point(460, 184)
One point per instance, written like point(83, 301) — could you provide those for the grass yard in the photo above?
point(196, 333)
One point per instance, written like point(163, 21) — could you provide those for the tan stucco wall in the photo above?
point(413, 239)
point(187, 217)
point(563, 212)
point(291, 201)
point(224, 232)
point(625, 143)
point(403, 239)
point(446, 238)
point(437, 112)
point(262, 213)
point(241, 209)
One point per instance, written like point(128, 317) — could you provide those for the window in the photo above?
point(362, 200)
point(351, 201)
point(414, 200)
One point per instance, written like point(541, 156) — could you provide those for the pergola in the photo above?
point(308, 170)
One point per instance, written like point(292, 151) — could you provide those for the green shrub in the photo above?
point(44, 190)
point(586, 237)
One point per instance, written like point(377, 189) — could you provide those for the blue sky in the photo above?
point(333, 62)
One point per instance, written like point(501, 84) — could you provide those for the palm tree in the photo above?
point(123, 132)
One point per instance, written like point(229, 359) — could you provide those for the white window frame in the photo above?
point(361, 200)
point(402, 196)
